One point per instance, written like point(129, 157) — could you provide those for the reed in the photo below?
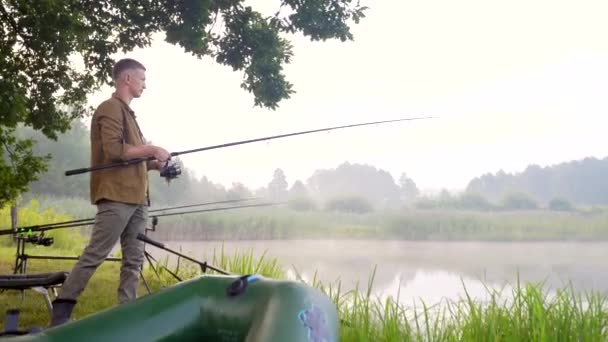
point(406, 224)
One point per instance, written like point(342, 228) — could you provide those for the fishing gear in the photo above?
point(89, 221)
point(204, 265)
point(267, 204)
point(38, 239)
point(174, 154)
point(170, 171)
point(35, 239)
point(22, 258)
point(43, 229)
point(86, 223)
point(207, 203)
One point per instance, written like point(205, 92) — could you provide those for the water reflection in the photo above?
point(430, 271)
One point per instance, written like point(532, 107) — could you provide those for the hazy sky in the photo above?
point(513, 82)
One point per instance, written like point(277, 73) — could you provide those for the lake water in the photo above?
point(430, 271)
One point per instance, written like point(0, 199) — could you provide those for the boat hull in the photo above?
point(202, 309)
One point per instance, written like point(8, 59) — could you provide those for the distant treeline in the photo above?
point(357, 188)
point(581, 182)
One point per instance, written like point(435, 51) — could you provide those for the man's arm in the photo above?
point(145, 151)
point(111, 136)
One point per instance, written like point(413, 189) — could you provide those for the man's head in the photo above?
point(129, 77)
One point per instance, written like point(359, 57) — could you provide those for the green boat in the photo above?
point(210, 308)
point(219, 307)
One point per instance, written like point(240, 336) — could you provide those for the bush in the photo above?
point(30, 215)
point(466, 201)
point(473, 201)
point(349, 204)
point(302, 203)
point(560, 204)
point(519, 201)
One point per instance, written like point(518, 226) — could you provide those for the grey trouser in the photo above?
point(113, 221)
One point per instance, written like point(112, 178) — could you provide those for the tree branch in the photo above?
point(10, 153)
point(15, 26)
point(8, 18)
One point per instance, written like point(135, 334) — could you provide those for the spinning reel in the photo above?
point(37, 239)
point(170, 170)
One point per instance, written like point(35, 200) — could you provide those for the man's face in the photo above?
point(136, 79)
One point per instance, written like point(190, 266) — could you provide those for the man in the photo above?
point(120, 194)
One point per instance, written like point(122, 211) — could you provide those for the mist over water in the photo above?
point(430, 271)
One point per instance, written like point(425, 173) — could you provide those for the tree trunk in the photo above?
point(14, 221)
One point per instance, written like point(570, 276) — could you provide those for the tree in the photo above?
point(409, 190)
point(277, 188)
point(238, 191)
point(299, 198)
point(70, 151)
point(298, 189)
point(362, 180)
point(39, 40)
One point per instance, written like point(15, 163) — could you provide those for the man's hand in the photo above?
point(161, 155)
point(155, 165)
point(146, 151)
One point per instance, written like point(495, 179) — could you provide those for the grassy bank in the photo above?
point(526, 314)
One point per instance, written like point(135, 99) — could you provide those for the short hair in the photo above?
point(125, 64)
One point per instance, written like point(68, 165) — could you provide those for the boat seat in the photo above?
point(42, 283)
point(26, 281)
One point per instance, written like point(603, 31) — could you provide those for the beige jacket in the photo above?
point(113, 128)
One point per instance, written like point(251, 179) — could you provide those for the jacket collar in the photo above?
point(123, 104)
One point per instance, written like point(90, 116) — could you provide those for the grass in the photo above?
point(420, 225)
point(527, 313)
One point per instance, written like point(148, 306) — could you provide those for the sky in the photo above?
point(511, 83)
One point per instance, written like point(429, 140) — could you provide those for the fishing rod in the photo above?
point(91, 220)
point(174, 154)
point(43, 229)
point(204, 265)
point(207, 203)
point(86, 223)
point(267, 204)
